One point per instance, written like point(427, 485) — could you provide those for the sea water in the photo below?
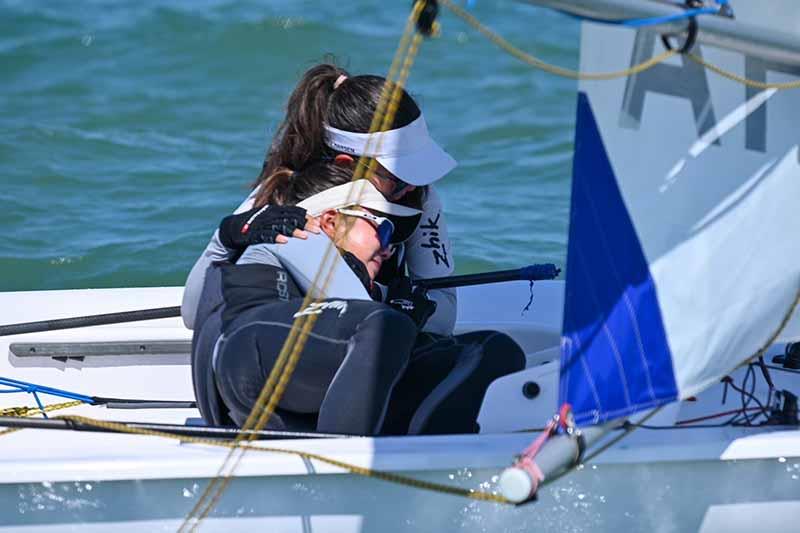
point(129, 128)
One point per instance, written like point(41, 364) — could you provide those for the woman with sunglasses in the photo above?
point(328, 115)
point(359, 347)
point(352, 377)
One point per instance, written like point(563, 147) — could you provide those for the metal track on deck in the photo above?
point(80, 350)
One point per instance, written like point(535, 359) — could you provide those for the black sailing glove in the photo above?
point(258, 226)
point(414, 303)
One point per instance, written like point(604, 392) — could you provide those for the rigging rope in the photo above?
point(654, 21)
point(286, 362)
point(235, 444)
point(289, 356)
point(781, 326)
point(33, 411)
point(741, 79)
point(16, 386)
point(354, 469)
point(537, 63)
point(407, 481)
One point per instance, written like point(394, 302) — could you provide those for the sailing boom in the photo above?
point(722, 32)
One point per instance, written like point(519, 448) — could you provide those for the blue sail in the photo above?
point(682, 255)
point(615, 358)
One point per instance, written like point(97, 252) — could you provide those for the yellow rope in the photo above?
point(745, 81)
point(235, 444)
point(355, 469)
point(781, 326)
point(286, 362)
point(547, 67)
point(33, 411)
point(577, 75)
point(367, 165)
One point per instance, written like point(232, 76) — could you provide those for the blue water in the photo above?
point(129, 128)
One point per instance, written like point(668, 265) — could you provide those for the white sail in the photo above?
point(684, 257)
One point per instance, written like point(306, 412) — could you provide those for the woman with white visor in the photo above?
point(353, 376)
point(328, 115)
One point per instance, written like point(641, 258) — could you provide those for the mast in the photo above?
point(722, 32)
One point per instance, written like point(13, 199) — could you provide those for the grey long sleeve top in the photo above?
point(428, 255)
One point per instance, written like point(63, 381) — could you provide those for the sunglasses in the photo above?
point(383, 225)
point(398, 185)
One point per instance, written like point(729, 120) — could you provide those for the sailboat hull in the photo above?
point(667, 480)
point(669, 495)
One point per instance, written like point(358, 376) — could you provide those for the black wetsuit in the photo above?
point(353, 357)
point(364, 369)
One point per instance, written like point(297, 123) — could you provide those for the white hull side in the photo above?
point(707, 496)
point(677, 480)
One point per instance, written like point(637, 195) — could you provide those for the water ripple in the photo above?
point(128, 129)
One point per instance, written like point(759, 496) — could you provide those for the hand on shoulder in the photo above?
point(269, 224)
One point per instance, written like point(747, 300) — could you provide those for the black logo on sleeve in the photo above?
point(431, 232)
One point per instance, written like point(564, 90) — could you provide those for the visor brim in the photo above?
point(359, 192)
point(420, 167)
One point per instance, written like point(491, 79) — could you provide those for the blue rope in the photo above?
point(530, 300)
point(39, 403)
point(32, 388)
point(535, 273)
point(654, 21)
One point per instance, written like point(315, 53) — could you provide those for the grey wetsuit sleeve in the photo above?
point(429, 254)
point(259, 254)
point(303, 260)
point(215, 251)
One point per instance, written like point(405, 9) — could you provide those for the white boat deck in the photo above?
point(129, 473)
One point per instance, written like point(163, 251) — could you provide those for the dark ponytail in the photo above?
point(300, 138)
point(273, 192)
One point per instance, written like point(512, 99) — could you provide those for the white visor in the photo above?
point(408, 152)
point(359, 192)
